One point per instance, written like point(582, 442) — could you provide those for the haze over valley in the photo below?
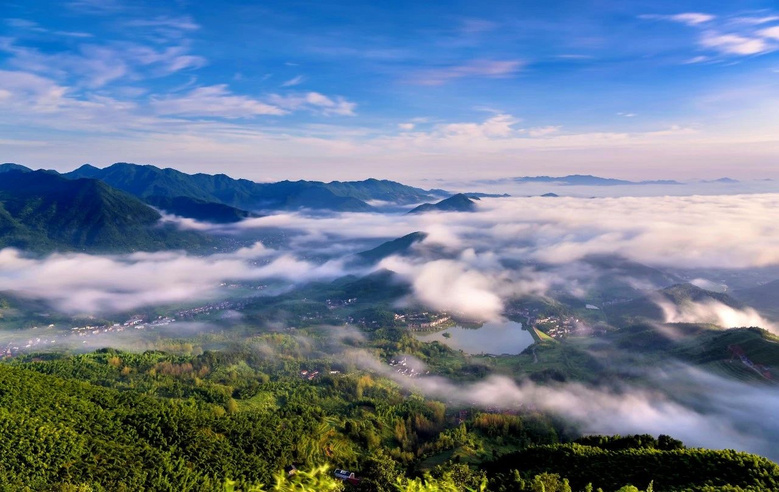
point(411, 247)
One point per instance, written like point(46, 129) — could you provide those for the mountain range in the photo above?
point(582, 180)
point(117, 208)
point(42, 211)
point(353, 196)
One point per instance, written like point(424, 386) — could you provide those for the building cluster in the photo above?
point(311, 375)
point(423, 321)
point(403, 367)
point(556, 326)
point(337, 303)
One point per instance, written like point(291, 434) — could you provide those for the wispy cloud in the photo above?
point(692, 18)
point(734, 44)
point(316, 102)
point(688, 18)
point(293, 81)
point(180, 23)
point(215, 101)
point(727, 36)
point(472, 69)
point(97, 7)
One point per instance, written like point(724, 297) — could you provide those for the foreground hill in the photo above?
point(41, 211)
point(154, 421)
point(150, 181)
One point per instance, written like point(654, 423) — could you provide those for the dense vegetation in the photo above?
point(131, 421)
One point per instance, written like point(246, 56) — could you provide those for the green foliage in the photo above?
point(115, 420)
point(611, 463)
point(315, 480)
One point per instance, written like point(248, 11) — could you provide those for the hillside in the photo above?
point(148, 181)
point(456, 203)
point(41, 211)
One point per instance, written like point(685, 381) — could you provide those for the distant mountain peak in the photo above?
point(587, 180)
point(455, 203)
point(10, 166)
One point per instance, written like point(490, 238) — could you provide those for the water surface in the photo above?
point(492, 338)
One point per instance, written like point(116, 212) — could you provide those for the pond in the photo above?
point(492, 338)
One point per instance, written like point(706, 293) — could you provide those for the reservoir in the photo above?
point(494, 338)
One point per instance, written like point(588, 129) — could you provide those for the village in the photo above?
point(51, 336)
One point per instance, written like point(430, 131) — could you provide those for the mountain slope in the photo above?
point(42, 211)
point(456, 203)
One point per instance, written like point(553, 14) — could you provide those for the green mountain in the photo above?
point(42, 211)
point(201, 210)
point(455, 203)
point(150, 181)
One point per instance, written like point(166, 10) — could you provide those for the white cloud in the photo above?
point(543, 131)
point(715, 313)
point(77, 283)
point(770, 32)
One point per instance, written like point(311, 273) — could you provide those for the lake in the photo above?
point(492, 338)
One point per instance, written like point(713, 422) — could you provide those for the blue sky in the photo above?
point(402, 90)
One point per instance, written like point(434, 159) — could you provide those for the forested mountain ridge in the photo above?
point(145, 181)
